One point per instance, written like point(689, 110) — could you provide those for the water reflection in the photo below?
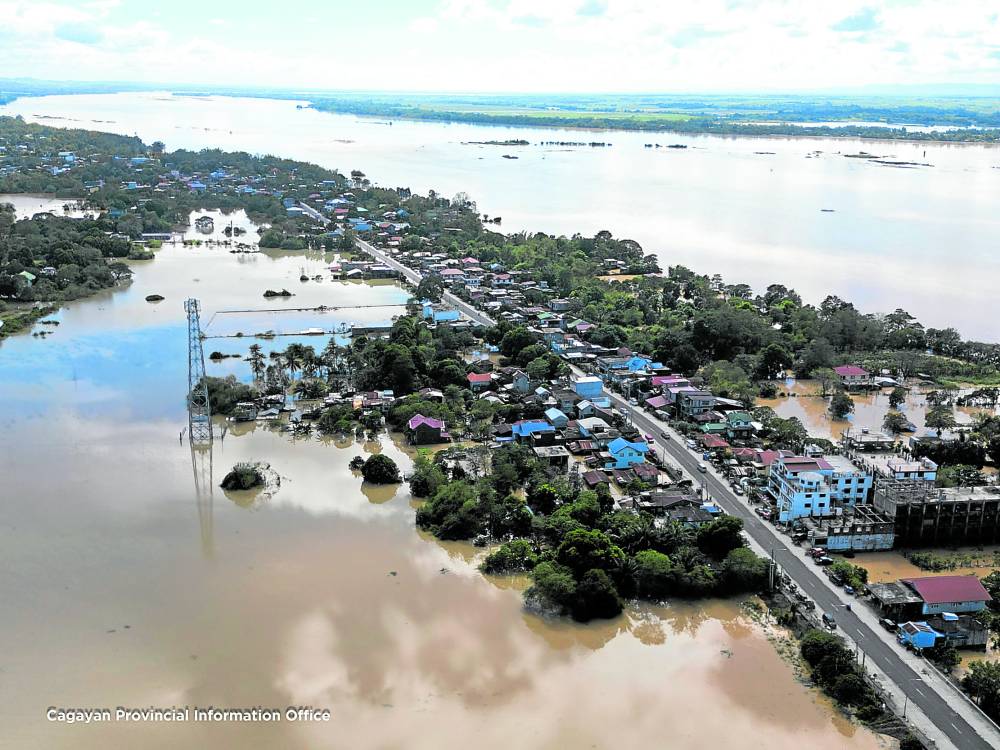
point(325, 595)
point(204, 493)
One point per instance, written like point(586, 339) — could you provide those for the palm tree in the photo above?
point(293, 356)
point(256, 360)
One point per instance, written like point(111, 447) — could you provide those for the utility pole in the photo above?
point(199, 410)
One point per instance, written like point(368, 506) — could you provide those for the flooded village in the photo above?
point(340, 321)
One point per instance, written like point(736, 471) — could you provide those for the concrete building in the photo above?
point(589, 387)
point(925, 515)
point(813, 487)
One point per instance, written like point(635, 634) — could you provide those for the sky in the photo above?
point(507, 45)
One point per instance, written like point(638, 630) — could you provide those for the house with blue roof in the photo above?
point(439, 313)
point(625, 453)
point(527, 427)
point(556, 417)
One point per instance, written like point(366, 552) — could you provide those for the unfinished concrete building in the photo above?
point(925, 515)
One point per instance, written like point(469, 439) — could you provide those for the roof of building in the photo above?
point(477, 377)
point(419, 419)
point(849, 370)
point(594, 478)
point(619, 444)
point(946, 589)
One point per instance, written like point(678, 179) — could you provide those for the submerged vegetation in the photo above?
point(244, 476)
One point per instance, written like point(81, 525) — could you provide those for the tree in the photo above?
point(257, 361)
point(517, 555)
point(773, 360)
point(719, 537)
point(538, 369)
point(552, 584)
point(940, 417)
point(584, 549)
point(960, 475)
point(427, 476)
point(827, 379)
point(849, 689)
point(596, 596)
point(896, 397)
point(654, 574)
point(742, 570)
point(841, 405)
point(380, 469)
point(982, 682)
point(895, 422)
point(430, 288)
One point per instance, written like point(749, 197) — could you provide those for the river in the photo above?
point(130, 579)
point(923, 238)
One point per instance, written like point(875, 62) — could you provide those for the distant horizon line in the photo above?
point(936, 90)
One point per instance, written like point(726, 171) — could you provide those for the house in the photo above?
point(625, 453)
point(521, 381)
point(691, 402)
point(739, 425)
point(591, 426)
point(553, 455)
point(438, 313)
point(589, 387)
point(426, 430)
point(527, 427)
point(853, 376)
point(957, 593)
point(656, 403)
point(594, 478)
point(479, 381)
point(557, 418)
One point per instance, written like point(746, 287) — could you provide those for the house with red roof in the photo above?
point(479, 381)
point(950, 593)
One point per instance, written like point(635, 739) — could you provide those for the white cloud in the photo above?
point(523, 45)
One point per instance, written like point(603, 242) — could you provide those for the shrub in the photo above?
point(244, 476)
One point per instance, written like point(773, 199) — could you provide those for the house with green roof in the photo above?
point(739, 425)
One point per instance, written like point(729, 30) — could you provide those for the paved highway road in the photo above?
point(874, 643)
point(886, 655)
point(414, 278)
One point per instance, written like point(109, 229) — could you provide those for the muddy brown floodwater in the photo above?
point(129, 578)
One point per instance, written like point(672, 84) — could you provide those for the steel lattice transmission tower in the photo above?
point(199, 410)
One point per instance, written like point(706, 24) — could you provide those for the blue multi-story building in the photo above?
point(815, 487)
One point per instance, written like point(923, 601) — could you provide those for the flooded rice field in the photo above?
point(131, 579)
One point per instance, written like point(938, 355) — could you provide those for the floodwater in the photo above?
point(923, 238)
point(27, 205)
point(130, 579)
point(802, 399)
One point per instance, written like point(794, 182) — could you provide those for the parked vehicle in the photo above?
point(702, 468)
point(849, 590)
point(824, 560)
point(888, 624)
point(829, 621)
point(738, 490)
point(691, 444)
